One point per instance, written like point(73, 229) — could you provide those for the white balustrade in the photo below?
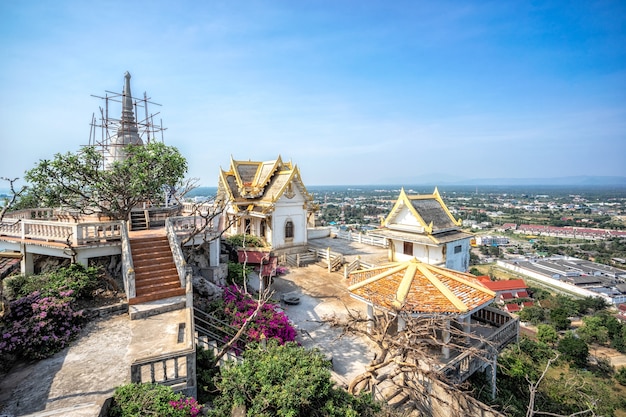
point(53, 231)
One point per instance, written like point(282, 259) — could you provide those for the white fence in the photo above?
point(51, 231)
point(362, 238)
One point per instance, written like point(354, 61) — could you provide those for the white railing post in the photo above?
point(128, 271)
point(75, 234)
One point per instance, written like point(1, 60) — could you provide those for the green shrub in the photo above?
point(138, 400)
point(286, 380)
point(82, 281)
point(248, 241)
point(620, 376)
point(206, 374)
point(237, 273)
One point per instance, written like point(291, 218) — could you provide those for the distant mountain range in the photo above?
point(581, 180)
point(441, 180)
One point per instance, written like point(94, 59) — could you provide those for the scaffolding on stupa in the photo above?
point(105, 128)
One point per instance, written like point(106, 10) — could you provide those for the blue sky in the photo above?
point(353, 92)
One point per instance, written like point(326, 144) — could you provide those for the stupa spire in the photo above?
point(128, 132)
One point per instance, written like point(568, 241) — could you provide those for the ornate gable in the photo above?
point(260, 184)
point(421, 214)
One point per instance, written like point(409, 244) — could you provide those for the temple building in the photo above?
point(414, 289)
point(422, 227)
point(268, 200)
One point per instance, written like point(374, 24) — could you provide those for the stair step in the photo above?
point(157, 295)
point(156, 275)
point(154, 265)
point(149, 241)
point(151, 308)
point(147, 278)
point(156, 288)
point(162, 246)
point(146, 248)
point(157, 253)
point(155, 268)
point(156, 279)
point(148, 289)
point(145, 262)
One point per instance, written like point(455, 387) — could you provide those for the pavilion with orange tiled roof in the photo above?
point(420, 289)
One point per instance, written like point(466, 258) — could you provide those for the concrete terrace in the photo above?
point(76, 381)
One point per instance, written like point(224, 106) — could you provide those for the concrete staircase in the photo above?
point(157, 284)
point(138, 220)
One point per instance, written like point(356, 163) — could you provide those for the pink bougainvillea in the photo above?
point(189, 405)
point(270, 321)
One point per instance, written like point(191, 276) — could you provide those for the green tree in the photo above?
point(559, 318)
point(574, 350)
point(533, 314)
point(285, 381)
point(547, 334)
point(620, 376)
point(593, 330)
point(591, 304)
point(618, 341)
point(569, 306)
point(79, 181)
point(15, 195)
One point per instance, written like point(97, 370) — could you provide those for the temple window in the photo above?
point(289, 229)
point(408, 248)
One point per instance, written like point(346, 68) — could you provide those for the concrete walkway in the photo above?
point(323, 295)
point(76, 381)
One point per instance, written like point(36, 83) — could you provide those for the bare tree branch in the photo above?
point(262, 299)
point(406, 363)
point(13, 197)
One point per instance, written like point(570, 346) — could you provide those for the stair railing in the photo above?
point(176, 369)
point(128, 270)
point(184, 270)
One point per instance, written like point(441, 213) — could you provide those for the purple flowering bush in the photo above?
point(270, 321)
point(38, 326)
point(188, 405)
point(281, 270)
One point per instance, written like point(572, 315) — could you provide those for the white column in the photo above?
point(467, 327)
point(81, 258)
point(401, 324)
point(214, 252)
point(27, 265)
point(370, 318)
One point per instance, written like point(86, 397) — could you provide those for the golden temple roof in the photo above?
point(429, 210)
point(257, 185)
point(419, 288)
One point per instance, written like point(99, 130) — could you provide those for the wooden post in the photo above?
point(445, 336)
point(328, 259)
